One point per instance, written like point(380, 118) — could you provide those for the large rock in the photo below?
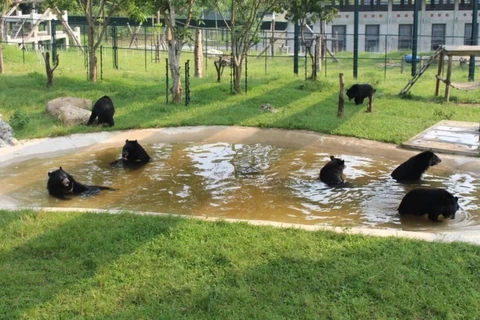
point(70, 110)
point(6, 134)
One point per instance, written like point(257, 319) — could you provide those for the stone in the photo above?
point(70, 110)
point(6, 134)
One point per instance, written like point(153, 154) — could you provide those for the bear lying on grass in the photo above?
point(61, 183)
point(332, 172)
point(413, 168)
point(434, 202)
point(133, 155)
point(359, 92)
point(104, 110)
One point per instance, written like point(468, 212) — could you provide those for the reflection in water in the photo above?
point(258, 182)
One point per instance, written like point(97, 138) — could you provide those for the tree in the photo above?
point(98, 14)
point(177, 33)
point(246, 17)
point(5, 7)
point(306, 12)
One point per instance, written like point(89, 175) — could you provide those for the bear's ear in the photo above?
point(49, 173)
point(61, 168)
point(332, 157)
point(126, 141)
point(135, 140)
point(342, 161)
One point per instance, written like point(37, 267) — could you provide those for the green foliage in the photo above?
point(19, 119)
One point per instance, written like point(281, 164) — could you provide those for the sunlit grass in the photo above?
point(138, 89)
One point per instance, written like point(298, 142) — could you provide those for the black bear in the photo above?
point(332, 172)
point(133, 155)
point(433, 202)
point(61, 183)
point(359, 92)
point(413, 168)
point(104, 110)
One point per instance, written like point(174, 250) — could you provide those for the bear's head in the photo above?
point(60, 180)
point(434, 159)
point(337, 162)
point(130, 150)
point(450, 206)
point(352, 92)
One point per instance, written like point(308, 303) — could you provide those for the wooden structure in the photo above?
point(24, 29)
point(450, 52)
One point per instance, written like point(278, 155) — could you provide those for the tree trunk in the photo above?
point(238, 78)
point(174, 62)
point(198, 52)
point(49, 70)
point(341, 96)
point(2, 24)
point(2, 69)
point(92, 58)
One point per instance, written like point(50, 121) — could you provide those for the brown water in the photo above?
point(243, 181)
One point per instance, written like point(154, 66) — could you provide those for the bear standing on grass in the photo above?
point(104, 110)
point(133, 155)
point(434, 202)
point(332, 172)
point(413, 168)
point(359, 92)
point(61, 183)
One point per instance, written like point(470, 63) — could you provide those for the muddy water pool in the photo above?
point(253, 181)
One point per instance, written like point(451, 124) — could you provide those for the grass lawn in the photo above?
point(86, 265)
point(70, 265)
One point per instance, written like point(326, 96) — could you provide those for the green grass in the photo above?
point(138, 91)
point(85, 265)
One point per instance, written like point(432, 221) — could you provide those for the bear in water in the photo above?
point(104, 110)
point(434, 202)
point(359, 92)
point(332, 172)
point(133, 155)
point(61, 183)
point(413, 168)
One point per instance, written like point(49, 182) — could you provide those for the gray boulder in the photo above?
point(70, 110)
point(6, 134)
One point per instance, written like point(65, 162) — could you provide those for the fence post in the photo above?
point(246, 73)
point(54, 41)
point(341, 96)
point(166, 79)
point(187, 82)
point(101, 62)
point(115, 48)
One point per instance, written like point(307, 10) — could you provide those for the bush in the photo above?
point(19, 119)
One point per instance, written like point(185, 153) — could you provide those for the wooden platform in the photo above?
point(453, 137)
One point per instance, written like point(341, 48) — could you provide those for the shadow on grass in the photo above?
point(70, 254)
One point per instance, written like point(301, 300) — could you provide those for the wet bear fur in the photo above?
point(433, 202)
point(133, 155)
point(104, 110)
point(413, 168)
point(332, 172)
point(61, 183)
point(359, 92)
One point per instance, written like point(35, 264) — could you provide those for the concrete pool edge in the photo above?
point(234, 134)
point(444, 237)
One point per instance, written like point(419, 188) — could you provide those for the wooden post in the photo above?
point(402, 65)
point(439, 72)
point(198, 54)
point(449, 75)
point(341, 96)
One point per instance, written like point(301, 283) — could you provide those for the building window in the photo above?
point(340, 34)
point(438, 35)
point(405, 35)
point(372, 37)
point(468, 34)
